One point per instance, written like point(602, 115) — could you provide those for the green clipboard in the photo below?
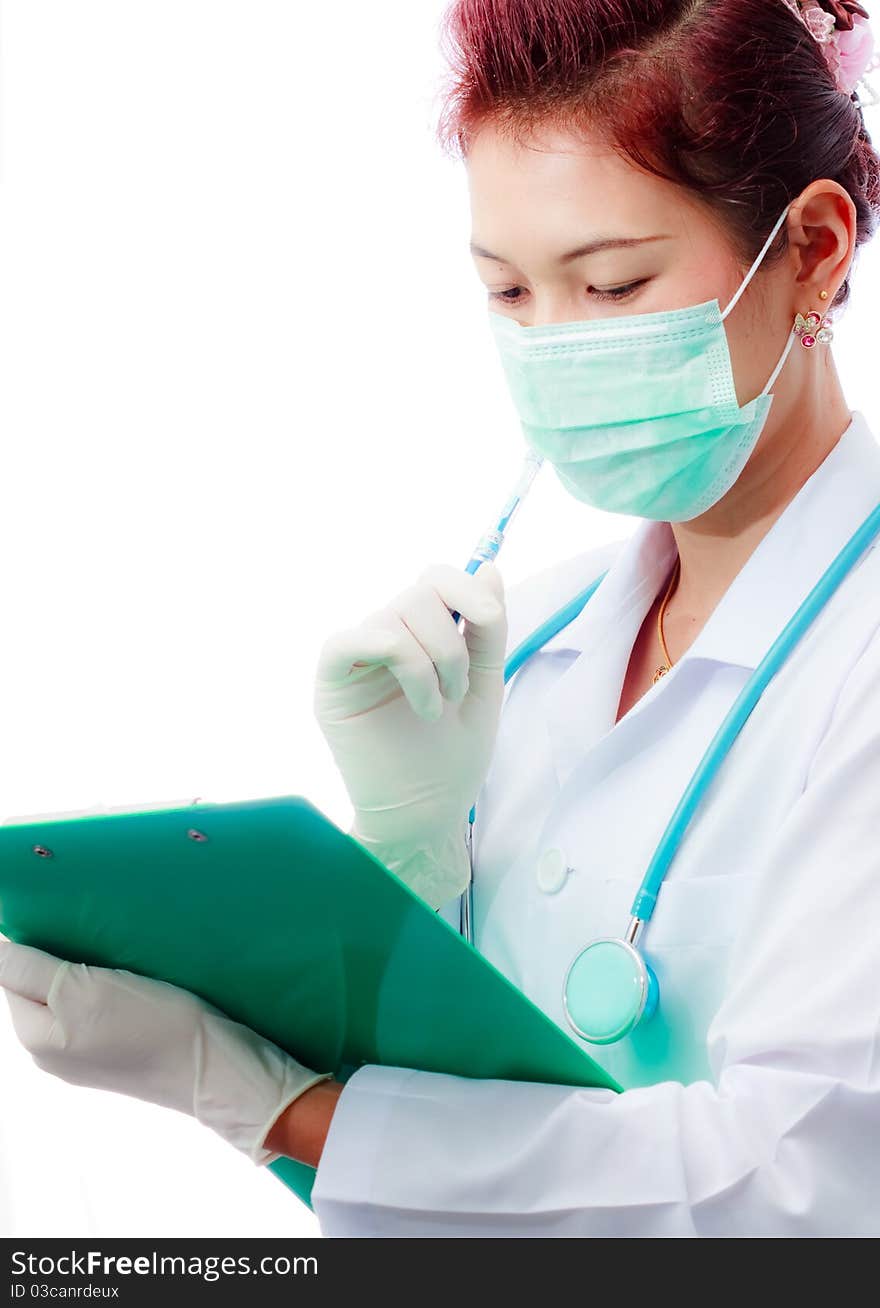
point(268, 910)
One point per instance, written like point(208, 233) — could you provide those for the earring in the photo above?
point(812, 328)
point(823, 295)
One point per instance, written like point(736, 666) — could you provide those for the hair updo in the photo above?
point(732, 99)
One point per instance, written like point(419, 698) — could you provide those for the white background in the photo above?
point(247, 393)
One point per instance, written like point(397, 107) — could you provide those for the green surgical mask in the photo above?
point(637, 414)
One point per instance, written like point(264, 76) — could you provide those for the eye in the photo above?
point(617, 292)
point(507, 296)
point(512, 295)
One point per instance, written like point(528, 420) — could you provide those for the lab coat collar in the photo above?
point(580, 707)
point(769, 588)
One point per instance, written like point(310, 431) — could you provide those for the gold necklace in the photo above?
point(661, 671)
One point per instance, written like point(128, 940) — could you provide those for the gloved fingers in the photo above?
point(423, 612)
point(355, 647)
point(32, 1021)
point(485, 630)
point(478, 596)
point(27, 971)
point(382, 641)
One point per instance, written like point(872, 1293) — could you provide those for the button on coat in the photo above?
point(552, 871)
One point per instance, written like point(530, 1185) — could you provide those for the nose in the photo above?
point(550, 308)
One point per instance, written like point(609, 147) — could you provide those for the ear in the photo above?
point(821, 231)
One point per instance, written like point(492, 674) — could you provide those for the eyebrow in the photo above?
point(591, 247)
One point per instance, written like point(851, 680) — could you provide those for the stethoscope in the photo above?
point(609, 987)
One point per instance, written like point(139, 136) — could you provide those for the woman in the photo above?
point(700, 152)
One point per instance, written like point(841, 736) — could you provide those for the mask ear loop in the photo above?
point(748, 277)
point(775, 373)
point(764, 248)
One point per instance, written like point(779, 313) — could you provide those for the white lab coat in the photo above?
point(752, 1100)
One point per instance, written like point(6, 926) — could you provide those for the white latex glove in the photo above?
point(115, 1030)
point(409, 706)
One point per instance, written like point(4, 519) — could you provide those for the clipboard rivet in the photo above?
point(196, 835)
point(43, 852)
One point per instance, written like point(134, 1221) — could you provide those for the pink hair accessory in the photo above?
point(843, 30)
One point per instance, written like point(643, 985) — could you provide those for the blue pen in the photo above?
point(488, 546)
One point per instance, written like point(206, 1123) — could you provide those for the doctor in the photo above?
point(753, 1092)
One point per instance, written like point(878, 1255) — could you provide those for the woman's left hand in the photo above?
point(116, 1030)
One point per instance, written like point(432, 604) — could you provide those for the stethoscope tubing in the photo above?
point(720, 745)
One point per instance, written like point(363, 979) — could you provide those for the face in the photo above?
point(534, 206)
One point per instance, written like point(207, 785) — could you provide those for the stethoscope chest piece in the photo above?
point(608, 989)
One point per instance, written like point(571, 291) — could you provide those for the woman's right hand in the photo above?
point(409, 706)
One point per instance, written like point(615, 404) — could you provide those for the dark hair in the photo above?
point(729, 98)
